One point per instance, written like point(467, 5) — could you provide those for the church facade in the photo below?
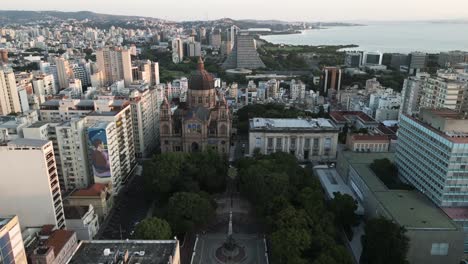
point(202, 123)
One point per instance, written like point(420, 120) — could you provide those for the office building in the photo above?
point(330, 79)
point(4, 56)
point(11, 247)
point(115, 64)
point(353, 59)
point(9, 98)
point(244, 54)
point(129, 252)
point(432, 155)
point(215, 38)
point(416, 62)
point(34, 192)
point(368, 143)
point(433, 237)
point(372, 58)
point(452, 57)
point(192, 49)
point(307, 139)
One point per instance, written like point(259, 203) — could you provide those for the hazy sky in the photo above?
point(296, 10)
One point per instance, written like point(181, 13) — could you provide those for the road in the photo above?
point(130, 207)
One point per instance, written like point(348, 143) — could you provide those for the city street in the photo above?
point(130, 207)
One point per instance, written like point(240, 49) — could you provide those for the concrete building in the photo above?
point(307, 139)
point(452, 57)
point(416, 62)
point(432, 155)
point(353, 59)
point(129, 252)
point(82, 220)
point(37, 181)
point(411, 94)
point(64, 72)
point(297, 90)
point(12, 247)
point(98, 195)
point(434, 237)
point(55, 247)
point(445, 91)
point(244, 54)
point(368, 143)
point(145, 111)
point(330, 79)
point(372, 58)
point(356, 119)
point(44, 86)
point(177, 50)
point(9, 98)
point(115, 64)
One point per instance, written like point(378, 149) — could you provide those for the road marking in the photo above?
point(201, 253)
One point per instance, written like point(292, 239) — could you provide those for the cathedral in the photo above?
point(202, 123)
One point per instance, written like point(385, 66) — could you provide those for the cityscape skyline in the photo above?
point(297, 10)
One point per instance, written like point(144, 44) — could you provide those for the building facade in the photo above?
point(9, 98)
point(32, 162)
point(115, 63)
point(307, 139)
point(11, 247)
point(432, 155)
point(202, 123)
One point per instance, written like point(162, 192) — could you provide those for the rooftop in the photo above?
point(139, 251)
point(26, 142)
point(94, 190)
point(344, 116)
point(408, 208)
point(58, 239)
point(4, 221)
point(38, 124)
point(290, 123)
point(75, 212)
point(358, 137)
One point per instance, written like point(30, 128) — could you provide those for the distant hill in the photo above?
point(22, 17)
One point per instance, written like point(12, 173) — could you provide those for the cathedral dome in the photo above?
point(201, 79)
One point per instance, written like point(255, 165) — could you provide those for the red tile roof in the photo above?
point(59, 239)
point(341, 116)
point(46, 230)
point(94, 190)
point(456, 212)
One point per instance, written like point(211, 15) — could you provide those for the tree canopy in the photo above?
point(153, 229)
point(384, 242)
point(291, 203)
point(188, 210)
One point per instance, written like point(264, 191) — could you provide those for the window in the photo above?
point(270, 142)
point(439, 249)
point(223, 130)
point(165, 129)
point(200, 100)
point(293, 143)
point(279, 143)
point(307, 143)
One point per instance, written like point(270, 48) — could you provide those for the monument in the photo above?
point(230, 251)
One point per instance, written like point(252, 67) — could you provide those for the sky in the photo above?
point(289, 10)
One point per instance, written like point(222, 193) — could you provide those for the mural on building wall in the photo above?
point(99, 152)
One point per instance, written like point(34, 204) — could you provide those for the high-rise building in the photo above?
point(432, 155)
point(411, 94)
point(44, 86)
point(215, 38)
point(331, 79)
point(192, 49)
point(452, 57)
point(372, 58)
point(34, 192)
point(353, 59)
point(177, 50)
point(444, 91)
point(416, 62)
point(154, 73)
point(9, 99)
point(80, 72)
point(244, 54)
point(3, 56)
point(297, 90)
point(115, 63)
point(11, 247)
point(64, 72)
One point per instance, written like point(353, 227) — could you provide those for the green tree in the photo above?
point(344, 207)
point(153, 229)
point(384, 242)
point(288, 245)
point(188, 210)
